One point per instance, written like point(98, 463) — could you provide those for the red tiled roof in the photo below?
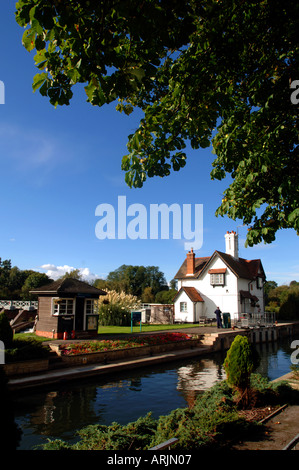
point(217, 271)
point(192, 293)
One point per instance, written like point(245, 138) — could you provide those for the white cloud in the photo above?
point(55, 272)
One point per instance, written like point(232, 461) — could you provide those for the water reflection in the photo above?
point(59, 413)
point(198, 376)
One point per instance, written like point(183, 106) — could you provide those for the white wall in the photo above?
point(227, 297)
point(194, 309)
point(244, 284)
point(223, 296)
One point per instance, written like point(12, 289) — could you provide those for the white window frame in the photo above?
point(94, 309)
point(217, 279)
point(56, 306)
point(91, 303)
point(183, 307)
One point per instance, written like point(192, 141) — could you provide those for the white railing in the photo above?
point(253, 320)
point(19, 304)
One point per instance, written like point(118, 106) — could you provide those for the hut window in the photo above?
point(89, 306)
point(63, 306)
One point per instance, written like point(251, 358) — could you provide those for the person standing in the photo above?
point(218, 317)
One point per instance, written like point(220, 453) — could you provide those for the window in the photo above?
point(259, 282)
point(63, 306)
point(183, 306)
point(90, 307)
point(217, 279)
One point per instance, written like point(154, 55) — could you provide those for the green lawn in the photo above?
point(113, 330)
point(116, 330)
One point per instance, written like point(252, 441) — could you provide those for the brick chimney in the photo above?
point(231, 244)
point(190, 263)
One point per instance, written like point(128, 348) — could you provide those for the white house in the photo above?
point(223, 280)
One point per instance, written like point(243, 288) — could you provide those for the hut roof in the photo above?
point(68, 286)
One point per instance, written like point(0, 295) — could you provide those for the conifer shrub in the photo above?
point(6, 332)
point(241, 360)
point(212, 423)
point(25, 350)
point(203, 426)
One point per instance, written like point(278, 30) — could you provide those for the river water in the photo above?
point(58, 412)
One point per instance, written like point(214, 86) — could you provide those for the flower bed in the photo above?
point(112, 350)
point(87, 347)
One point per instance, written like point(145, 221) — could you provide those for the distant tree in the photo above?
point(165, 296)
point(278, 294)
point(102, 284)
point(134, 279)
point(269, 286)
point(74, 274)
point(289, 308)
point(34, 281)
point(147, 295)
point(5, 267)
point(16, 281)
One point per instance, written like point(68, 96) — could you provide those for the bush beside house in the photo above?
point(115, 308)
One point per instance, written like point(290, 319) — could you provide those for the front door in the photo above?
point(79, 314)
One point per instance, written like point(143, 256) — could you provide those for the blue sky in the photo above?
point(58, 165)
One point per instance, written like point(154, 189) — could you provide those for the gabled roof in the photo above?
point(68, 286)
point(242, 268)
point(192, 293)
point(199, 265)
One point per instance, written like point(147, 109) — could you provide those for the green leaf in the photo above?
point(28, 39)
point(38, 80)
point(293, 216)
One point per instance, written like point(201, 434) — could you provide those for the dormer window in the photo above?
point(217, 279)
point(217, 276)
point(259, 282)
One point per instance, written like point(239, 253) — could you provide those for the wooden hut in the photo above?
point(67, 308)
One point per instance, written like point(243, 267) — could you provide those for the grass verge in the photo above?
point(116, 330)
